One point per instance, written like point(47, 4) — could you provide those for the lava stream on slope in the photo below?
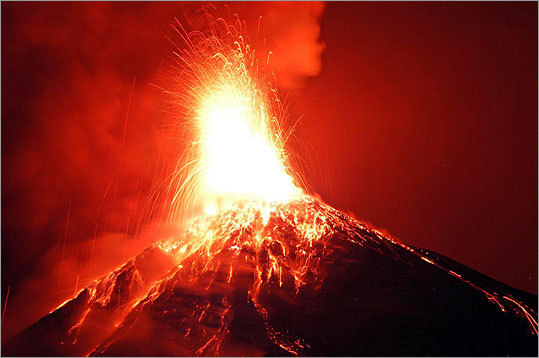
point(295, 278)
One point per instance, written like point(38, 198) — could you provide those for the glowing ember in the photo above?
point(239, 156)
point(237, 150)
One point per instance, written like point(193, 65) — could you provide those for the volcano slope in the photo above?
point(299, 278)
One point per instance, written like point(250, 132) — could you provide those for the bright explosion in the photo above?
point(234, 113)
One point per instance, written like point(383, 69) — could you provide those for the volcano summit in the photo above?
point(299, 278)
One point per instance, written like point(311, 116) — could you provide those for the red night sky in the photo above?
point(419, 118)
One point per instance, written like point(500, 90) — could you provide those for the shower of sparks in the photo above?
point(233, 114)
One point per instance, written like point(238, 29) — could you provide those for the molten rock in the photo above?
point(299, 278)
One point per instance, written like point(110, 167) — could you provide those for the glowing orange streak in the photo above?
point(64, 246)
point(5, 304)
point(77, 325)
point(531, 319)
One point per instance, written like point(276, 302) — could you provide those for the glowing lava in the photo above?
point(307, 280)
point(239, 155)
point(233, 114)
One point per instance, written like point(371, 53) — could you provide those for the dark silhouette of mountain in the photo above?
point(287, 279)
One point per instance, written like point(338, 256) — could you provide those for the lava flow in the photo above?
point(264, 268)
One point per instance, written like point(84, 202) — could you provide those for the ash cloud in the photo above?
point(289, 34)
point(293, 37)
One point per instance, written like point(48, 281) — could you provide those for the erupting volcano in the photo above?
point(259, 266)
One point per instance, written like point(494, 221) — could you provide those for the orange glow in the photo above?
point(243, 262)
point(233, 115)
point(238, 156)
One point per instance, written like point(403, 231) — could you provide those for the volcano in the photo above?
point(294, 278)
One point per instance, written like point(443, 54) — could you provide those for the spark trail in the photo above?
point(233, 116)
